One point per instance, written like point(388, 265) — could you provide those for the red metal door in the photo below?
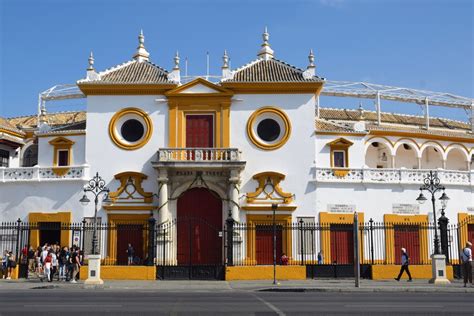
point(199, 131)
point(342, 243)
point(199, 222)
point(408, 237)
point(129, 234)
point(264, 244)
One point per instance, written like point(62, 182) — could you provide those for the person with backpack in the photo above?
point(63, 263)
point(467, 263)
point(405, 264)
point(76, 265)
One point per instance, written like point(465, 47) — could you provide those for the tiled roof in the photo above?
point(354, 115)
point(421, 132)
point(328, 126)
point(132, 72)
point(58, 119)
point(6, 125)
point(272, 70)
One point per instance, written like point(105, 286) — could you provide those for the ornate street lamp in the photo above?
point(97, 186)
point(432, 185)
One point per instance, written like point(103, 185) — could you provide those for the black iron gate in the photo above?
point(197, 254)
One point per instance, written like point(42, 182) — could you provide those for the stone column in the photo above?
point(234, 181)
point(163, 213)
point(419, 162)
point(392, 161)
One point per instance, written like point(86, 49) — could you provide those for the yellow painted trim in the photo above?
point(392, 220)
point(389, 271)
point(265, 273)
point(6, 131)
point(340, 144)
point(466, 139)
point(371, 140)
point(326, 219)
point(339, 133)
point(220, 91)
point(274, 87)
point(62, 217)
point(145, 138)
point(125, 89)
point(137, 179)
point(62, 134)
point(147, 273)
point(267, 207)
point(61, 144)
point(117, 219)
point(274, 110)
point(411, 142)
point(464, 219)
point(254, 220)
point(273, 178)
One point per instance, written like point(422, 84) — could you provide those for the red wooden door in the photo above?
point(264, 244)
point(470, 233)
point(129, 234)
point(199, 222)
point(342, 243)
point(408, 237)
point(199, 131)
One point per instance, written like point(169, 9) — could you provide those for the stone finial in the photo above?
point(91, 62)
point(141, 53)
point(265, 52)
point(311, 58)
point(176, 60)
point(361, 111)
point(91, 73)
point(311, 69)
point(225, 59)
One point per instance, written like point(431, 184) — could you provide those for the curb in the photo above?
point(363, 289)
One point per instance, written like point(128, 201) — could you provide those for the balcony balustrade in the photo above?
point(198, 155)
point(391, 176)
point(43, 173)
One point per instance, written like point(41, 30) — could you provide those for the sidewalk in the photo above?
point(324, 285)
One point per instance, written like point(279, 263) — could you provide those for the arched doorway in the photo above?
point(199, 224)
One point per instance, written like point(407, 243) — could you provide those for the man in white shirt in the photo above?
point(467, 263)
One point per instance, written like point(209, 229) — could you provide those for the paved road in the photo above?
point(96, 302)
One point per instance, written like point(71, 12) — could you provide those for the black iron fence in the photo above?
point(193, 242)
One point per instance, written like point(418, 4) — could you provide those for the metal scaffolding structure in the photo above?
point(364, 90)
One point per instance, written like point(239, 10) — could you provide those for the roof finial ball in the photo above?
point(91, 61)
point(265, 52)
point(311, 58)
point(141, 53)
point(176, 60)
point(225, 59)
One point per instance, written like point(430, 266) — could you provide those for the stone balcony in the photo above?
point(210, 158)
point(391, 176)
point(37, 174)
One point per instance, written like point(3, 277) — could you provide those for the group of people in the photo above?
point(8, 264)
point(52, 261)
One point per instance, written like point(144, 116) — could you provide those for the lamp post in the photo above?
point(97, 186)
point(274, 207)
point(431, 184)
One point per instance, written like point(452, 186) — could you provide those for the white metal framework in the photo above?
point(331, 88)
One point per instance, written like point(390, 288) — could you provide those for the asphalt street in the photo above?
point(97, 302)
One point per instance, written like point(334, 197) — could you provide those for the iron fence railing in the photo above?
point(194, 242)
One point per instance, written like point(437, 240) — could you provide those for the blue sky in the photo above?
point(409, 43)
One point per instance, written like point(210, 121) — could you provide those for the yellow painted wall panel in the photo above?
point(265, 273)
point(383, 272)
point(123, 272)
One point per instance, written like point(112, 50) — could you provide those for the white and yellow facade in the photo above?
point(263, 133)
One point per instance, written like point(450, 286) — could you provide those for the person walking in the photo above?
point(76, 265)
point(405, 264)
point(320, 257)
point(48, 263)
point(130, 254)
point(467, 263)
point(63, 263)
point(31, 259)
point(11, 265)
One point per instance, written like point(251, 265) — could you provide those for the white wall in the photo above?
point(406, 158)
point(46, 150)
point(14, 160)
point(356, 151)
point(295, 159)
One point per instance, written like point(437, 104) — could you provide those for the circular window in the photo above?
point(130, 128)
point(268, 128)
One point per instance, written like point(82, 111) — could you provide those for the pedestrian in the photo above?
point(320, 257)
point(47, 263)
point(130, 254)
point(11, 264)
point(54, 265)
point(467, 263)
point(405, 264)
point(63, 263)
point(31, 259)
point(76, 265)
point(284, 259)
point(4, 264)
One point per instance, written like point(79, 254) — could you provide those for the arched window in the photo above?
point(30, 157)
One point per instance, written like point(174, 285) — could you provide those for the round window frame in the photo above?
point(117, 121)
point(264, 113)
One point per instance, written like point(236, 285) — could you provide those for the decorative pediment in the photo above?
point(269, 190)
point(199, 87)
point(131, 190)
point(61, 141)
point(340, 142)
